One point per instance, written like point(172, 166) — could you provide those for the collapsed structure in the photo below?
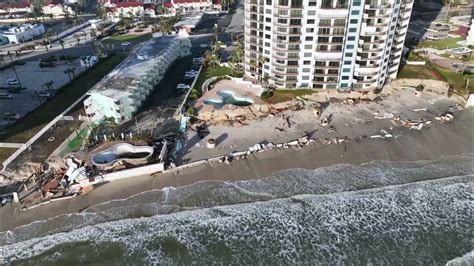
point(123, 90)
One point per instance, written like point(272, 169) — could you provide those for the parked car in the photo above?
point(43, 64)
point(44, 94)
point(12, 82)
point(182, 87)
point(11, 116)
point(434, 38)
point(4, 95)
point(197, 60)
point(16, 89)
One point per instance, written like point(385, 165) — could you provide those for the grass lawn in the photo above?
point(286, 95)
point(440, 44)
point(420, 72)
point(5, 153)
point(128, 38)
point(27, 126)
point(207, 73)
point(458, 81)
point(430, 71)
point(76, 142)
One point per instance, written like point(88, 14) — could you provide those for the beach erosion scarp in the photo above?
point(438, 140)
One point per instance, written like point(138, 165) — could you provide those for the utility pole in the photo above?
point(16, 75)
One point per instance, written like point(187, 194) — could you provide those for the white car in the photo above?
point(191, 73)
point(434, 38)
point(44, 94)
point(4, 95)
point(197, 60)
point(12, 82)
point(183, 86)
point(11, 116)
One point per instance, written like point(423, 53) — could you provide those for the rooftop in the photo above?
point(189, 21)
point(125, 77)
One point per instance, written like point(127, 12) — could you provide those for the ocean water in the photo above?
point(378, 213)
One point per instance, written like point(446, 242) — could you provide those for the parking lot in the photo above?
point(33, 78)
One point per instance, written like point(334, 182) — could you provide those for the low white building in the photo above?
point(122, 91)
point(14, 10)
point(124, 10)
point(187, 6)
point(188, 23)
point(57, 10)
point(20, 33)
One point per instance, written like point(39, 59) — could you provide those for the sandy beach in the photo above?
point(451, 138)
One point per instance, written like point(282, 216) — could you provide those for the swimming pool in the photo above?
point(123, 152)
point(228, 97)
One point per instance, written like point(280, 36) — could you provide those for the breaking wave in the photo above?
point(379, 213)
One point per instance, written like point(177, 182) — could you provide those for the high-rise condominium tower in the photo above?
point(325, 44)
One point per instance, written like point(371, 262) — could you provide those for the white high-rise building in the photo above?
point(325, 44)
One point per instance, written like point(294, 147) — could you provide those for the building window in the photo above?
point(268, 20)
point(311, 13)
point(310, 21)
point(308, 46)
point(353, 21)
point(344, 85)
point(320, 63)
point(267, 36)
point(356, 3)
point(268, 11)
point(349, 46)
point(312, 3)
point(269, 2)
point(267, 44)
point(348, 54)
point(346, 70)
point(283, 2)
point(355, 12)
point(351, 38)
point(310, 30)
point(306, 62)
point(347, 62)
point(305, 77)
point(345, 77)
point(306, 70)
point(352, 29)
point(307, 54)
point(309, 38)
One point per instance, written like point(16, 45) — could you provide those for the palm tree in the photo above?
point(261, 62)
point(61, 42)
point(49, 85)
point(68, 72)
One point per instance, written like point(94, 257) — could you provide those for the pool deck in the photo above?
point(240, 90)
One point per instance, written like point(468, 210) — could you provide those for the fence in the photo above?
point(40, 133)
point(179, 111)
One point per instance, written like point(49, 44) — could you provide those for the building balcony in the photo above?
point(370, 58)
point(290, 7)
point(374, 7)
point(375, 33)
point(255, 2)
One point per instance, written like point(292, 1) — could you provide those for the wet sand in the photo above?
point(451, 138)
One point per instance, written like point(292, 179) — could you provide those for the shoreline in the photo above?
point(439, 140)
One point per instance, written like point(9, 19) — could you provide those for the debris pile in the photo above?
point(412, 124)
point(239, 116)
